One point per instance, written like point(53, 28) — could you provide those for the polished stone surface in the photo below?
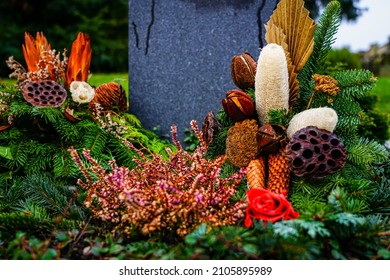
point(180, 53)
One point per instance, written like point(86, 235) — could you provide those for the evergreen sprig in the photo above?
point(324, 37)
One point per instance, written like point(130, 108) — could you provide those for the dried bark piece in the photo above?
point(210, 128)
point(255, 173)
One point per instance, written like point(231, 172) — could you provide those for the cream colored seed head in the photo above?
point(323, 118)
point(271, 81)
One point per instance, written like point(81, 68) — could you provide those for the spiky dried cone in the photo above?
point(255, 173)
point(278, 173)
point(110, 94)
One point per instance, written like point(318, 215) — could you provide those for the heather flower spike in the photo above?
point(79, 60)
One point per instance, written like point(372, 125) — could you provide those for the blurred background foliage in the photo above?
point(106, 21)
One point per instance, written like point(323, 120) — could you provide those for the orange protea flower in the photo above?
point(79, 60)
point(35, 55)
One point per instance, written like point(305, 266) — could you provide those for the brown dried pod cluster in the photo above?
point(271, 138)
point(210, 128)
point(243, 69)
point(326, 84)
point(241, 143)
point(238, 105)
point(44, 93)
point(110, 94)
point(315, 153)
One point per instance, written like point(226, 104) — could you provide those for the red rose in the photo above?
point(267, 206)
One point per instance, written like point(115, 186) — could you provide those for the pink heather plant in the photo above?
point(160, 196)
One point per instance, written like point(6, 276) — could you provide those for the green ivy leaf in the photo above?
point(5, 152)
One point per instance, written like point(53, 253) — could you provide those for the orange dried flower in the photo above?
point(34, 52)
point(79, 60)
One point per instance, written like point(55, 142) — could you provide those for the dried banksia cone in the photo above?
point(255, 173)
point(315, 153)
point(108, 95)
point(271, 85)
point(243, 68)
point(44, 93)
point(241, 143)
point(323, 118)
point(238, 105)
point(278, 173)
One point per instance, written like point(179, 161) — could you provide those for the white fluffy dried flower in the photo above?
point(271, 81)
point(82, 92)
point(323, 118)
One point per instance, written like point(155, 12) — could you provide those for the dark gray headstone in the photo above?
point(180, 53)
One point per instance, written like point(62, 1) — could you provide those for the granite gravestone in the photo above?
point(180, 53)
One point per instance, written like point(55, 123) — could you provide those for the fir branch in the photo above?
point(364, 153)
point(355, 83)
point(327, 27)
point(95, 140)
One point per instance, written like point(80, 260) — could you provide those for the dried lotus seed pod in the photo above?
point(44, 93)
point(315, 153)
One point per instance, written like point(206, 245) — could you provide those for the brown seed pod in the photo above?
point(315, 153)
point(44, 93)
point(243, 70)
point(271, 138)
point(108, 95)
point(210, 128)
point(238, 105)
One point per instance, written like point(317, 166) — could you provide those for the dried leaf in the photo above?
point(291, 27)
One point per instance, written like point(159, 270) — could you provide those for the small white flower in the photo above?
point(82, 92)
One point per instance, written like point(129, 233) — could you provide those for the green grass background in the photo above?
point(94, 79)
point(382, 90)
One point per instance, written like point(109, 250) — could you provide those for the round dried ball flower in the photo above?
point(315, 153)
point(82, 92)
point(241, 143)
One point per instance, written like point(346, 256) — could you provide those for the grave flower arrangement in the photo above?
point(52, 106)
point(280, 172)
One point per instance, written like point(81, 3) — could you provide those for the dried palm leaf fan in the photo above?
point(291, 27)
